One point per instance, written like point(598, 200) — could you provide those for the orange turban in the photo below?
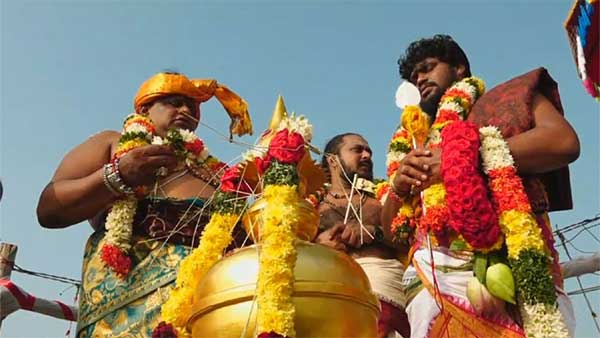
point(200, 91)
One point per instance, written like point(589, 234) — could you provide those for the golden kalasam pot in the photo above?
point(331, 294)
point(307, 227)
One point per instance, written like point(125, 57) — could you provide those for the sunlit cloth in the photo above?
point(112, 307)
point(452, 273)
point(200, 90)
point(385, 276)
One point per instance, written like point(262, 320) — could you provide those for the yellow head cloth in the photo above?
point(200, 90)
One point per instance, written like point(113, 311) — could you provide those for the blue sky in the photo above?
point(71, 68)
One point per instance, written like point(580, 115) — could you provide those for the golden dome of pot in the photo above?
point(332, 296)
point(308, 226)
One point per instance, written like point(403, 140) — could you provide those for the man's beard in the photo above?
point(348, 174)
point(430, 105)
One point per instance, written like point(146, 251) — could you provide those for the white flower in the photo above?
point(467, 88)
point(451, 105)
point(252, 153)
point(119, 223)
point(136, 128)
point(187, 135)
point(394, 156)
point(495, 153)
point(435, 136)
point(204, 154)
point(543, 321)
point(157, 140)
point(297, 124)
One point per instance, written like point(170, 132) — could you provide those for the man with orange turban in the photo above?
point(144, 192)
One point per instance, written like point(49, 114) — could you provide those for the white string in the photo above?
point(358, 217)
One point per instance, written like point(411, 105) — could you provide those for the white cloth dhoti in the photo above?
point(385, 276)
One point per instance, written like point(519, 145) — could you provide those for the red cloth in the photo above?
point(392, 319)
point(508, 106)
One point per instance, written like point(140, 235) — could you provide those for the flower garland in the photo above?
point(276, 311)
point(137, 132)
point(216, 236)
point(278, 233)
point(455, 105)
point(526, 250)
point(470, 211)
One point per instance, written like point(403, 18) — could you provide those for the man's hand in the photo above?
point(343, 236)
point(139, 166)
point(418, 170)
point(351, 236)
point(331, 238)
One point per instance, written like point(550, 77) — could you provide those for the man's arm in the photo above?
point(77, 191)
point(550, 144)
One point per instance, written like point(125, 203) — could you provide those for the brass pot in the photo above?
point(332, 296)
point(308, 225)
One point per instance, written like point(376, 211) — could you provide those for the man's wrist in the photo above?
point(395, 195)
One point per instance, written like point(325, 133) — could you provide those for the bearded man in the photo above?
point(528, 113)
point(346, 156)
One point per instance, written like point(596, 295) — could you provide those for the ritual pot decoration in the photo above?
point(331, 295)
point(283, 286)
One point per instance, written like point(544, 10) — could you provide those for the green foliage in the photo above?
point(281, 174)
point(175, 140)
point(133, 136)
point(533, 278)
point(227, 203)
point(480, 264)
point(399, 146)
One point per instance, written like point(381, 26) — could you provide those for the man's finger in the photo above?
point(155, 149)
point(346, 235)
point(335, 230)
point(340, 246)
point(367, 236)
point(355, 239)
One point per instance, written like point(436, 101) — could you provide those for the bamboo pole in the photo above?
point(8, 252)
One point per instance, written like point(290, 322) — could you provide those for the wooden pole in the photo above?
point(581, 266)
point(8, 252)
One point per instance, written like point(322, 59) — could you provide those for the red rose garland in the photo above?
point(231, 181)
point(470, 210)
point(287, 147)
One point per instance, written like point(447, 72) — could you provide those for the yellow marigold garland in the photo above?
point(276, 310)
point(215, 238)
